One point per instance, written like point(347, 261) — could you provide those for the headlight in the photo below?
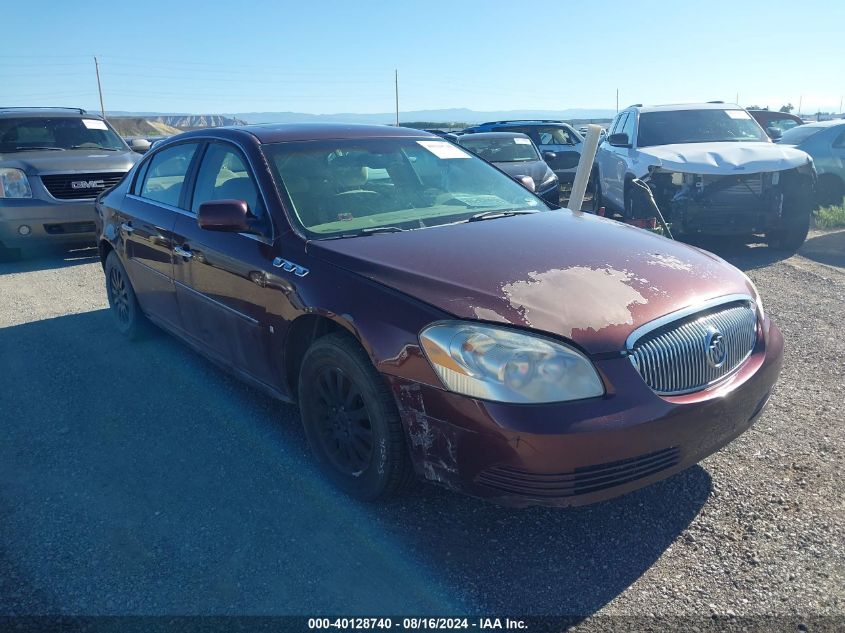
point(507, 366)
point(14, 184)
point(548, 179)
point(757, 299)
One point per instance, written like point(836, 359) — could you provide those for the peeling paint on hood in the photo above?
point(543, 299)
point(723, 158)
point(578, 276)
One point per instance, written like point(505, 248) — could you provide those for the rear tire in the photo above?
point(8, 255)
point(351, 420)
point(830, 190)
point(127, 314)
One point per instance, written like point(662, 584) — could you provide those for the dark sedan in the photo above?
point(516, 155)
point(432, 317)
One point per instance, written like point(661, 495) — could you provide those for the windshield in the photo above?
point(513, 149)
point(345, 187)
point(799, 134)
point(697, 126)
point(60, 133)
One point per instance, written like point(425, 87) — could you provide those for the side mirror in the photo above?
point(549, 156)
point(774, 133)
point(619, 139)
point(526, 181)
point(140, 145)
point(223, 215)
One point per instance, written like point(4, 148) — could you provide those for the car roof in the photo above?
point(286, 132)
point(494, 135)
point(34, 112)
point(830, 123)
point(669, 107)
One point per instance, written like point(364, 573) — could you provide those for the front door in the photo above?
point(148, 220)
point(221, 277)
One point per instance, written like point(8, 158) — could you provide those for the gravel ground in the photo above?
point(140, 479)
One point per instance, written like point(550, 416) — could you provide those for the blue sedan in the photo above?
point(825, 142)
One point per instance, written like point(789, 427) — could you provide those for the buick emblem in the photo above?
point(715, 348)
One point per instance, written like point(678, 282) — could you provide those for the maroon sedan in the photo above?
point(432, 317)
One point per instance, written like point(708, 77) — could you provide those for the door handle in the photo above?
point(183, 252)
point(127, 227)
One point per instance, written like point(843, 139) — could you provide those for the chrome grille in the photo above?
point(681, 356)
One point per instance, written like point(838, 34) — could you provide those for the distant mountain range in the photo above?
point(450, 115)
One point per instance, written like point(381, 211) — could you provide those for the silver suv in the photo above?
point(712, 170)
point(53, 163)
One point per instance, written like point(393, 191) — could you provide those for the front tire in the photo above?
point(351, 420)
point(127, 314)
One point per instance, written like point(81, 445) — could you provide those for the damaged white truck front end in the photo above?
point(732, 189)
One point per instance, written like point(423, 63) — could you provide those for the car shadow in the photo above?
point(140, 478)
point(827, 248)
point(49, 257)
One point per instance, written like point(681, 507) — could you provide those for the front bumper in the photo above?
point(575, 453)
point(47, 221)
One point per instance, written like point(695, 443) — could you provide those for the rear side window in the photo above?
point(166, 174)
point(223, 175)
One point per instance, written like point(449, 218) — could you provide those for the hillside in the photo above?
point(167, 124)
point(137, 126)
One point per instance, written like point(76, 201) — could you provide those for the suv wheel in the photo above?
point(9, 254)
point(351, 420)
point(594, 187)
point(124, 304)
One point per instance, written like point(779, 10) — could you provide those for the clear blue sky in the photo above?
point(332, 56)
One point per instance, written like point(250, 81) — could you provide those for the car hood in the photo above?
point(70, 161)
point(537, 169)
point(574, 275)
point(724, 158)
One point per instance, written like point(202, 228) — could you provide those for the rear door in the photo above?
point(147, 221)
point(222, 278)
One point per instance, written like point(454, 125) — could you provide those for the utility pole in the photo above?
point(737, 99)
point(840, 106)
point(396, 82)
point(617, 101)
point(99, 86)
point(800, 99)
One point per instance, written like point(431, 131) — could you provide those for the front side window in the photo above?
point(630, 124)
point(166, 174)
point(698, 126)
point(223, 175)
point(59, 133)
point(840, 141)
point(514, 149)
point(344, 187)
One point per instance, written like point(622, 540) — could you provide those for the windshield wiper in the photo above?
point(380, 229)
point(489, 215)
point(86, 146)
point(368, 231)
point(24, 149)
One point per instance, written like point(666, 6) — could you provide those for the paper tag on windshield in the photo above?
point(94, 124)
point(442, 149)
point(522, 141)
point(738, 114)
